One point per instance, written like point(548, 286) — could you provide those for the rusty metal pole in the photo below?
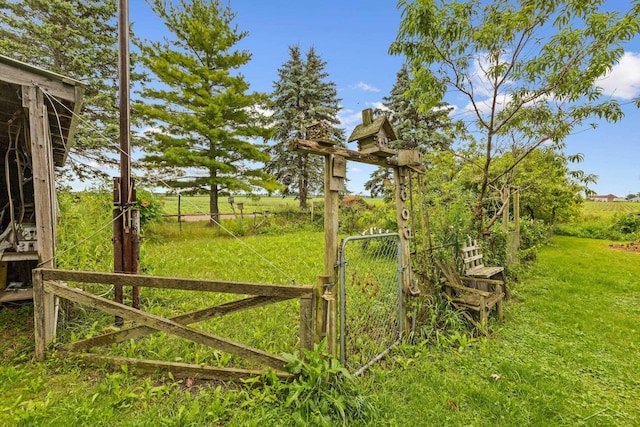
point(125, 238)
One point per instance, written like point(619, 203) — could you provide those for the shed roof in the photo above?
point(63, 99)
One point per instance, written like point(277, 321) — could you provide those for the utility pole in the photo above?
point(126, 225)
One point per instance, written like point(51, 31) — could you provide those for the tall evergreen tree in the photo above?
point(426, 131)
point(430, 131)
point(76, 38)
point(206, 123)
point(301, 96)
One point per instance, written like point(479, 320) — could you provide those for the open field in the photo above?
point(606, 210)
point(200, 204)
point(567, 353)
point(605, 220)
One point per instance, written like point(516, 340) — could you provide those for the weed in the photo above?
point(324, 393)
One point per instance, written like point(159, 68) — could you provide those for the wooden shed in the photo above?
point(38, 110)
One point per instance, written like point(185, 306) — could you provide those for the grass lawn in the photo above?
point(200, 204)
point(567, 353)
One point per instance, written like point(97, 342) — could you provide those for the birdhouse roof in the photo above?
point(363, 131)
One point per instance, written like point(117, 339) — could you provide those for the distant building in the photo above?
point(608, 198)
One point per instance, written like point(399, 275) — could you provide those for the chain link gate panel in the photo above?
point(370, 298)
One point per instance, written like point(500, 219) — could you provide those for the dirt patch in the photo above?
point(626, 247)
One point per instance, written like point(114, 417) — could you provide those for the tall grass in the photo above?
point(605, 220)
point(567, 353)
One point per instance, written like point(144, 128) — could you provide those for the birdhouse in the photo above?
point(374, 135)
point(320, 131)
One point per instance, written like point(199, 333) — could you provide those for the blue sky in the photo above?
point(353, 37)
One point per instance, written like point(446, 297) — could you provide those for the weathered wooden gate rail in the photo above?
point(46, 283)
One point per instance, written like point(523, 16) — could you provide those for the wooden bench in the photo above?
point(472, 294)
point(474, 265)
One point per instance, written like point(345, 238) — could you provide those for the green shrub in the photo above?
point(626, 223)
point(151, 207)
point(85, 230)
point(534, 234)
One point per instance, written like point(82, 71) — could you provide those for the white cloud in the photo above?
point(485, 106)
point(378, 106)
point(365, 87)
point(624, 79)
point(150, 130)
point(349, 118)
point(355, 169)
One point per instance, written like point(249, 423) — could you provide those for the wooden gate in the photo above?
point(47, 283)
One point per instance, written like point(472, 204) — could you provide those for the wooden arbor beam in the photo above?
point(313, 147)
point(335, 173)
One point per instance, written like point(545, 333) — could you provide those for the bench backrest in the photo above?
point(472, 255)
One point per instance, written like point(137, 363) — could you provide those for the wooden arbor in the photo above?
point(376, 135)
point(38, 110)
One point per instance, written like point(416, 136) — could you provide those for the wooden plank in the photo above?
point(17, 295)
point(285, 291)
point(38, 316)
point(184, 319)
point(165, 325)
point(306, 322)
point(485, 272)
point(472, 258)
point(43, 192)
point(19, 256)
point(314, 147)
point(404, 230)
point(57, 88)
point(178, 370)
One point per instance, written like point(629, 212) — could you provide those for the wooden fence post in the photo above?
point(332, 186)
point(39, 318)
point(43, 195)
point(405, 232)
point(320, 307)
point(307, 314)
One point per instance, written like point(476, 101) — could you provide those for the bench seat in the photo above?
point(484, 272)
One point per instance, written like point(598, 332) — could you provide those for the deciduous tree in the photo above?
point(527, 69)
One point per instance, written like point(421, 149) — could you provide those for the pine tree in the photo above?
point(417, 130)
point(206, 123)
point(301, 96)
point(76, 38)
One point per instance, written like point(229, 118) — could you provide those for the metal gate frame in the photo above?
point(342, 262)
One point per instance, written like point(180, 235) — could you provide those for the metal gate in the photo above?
point(370, 298)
